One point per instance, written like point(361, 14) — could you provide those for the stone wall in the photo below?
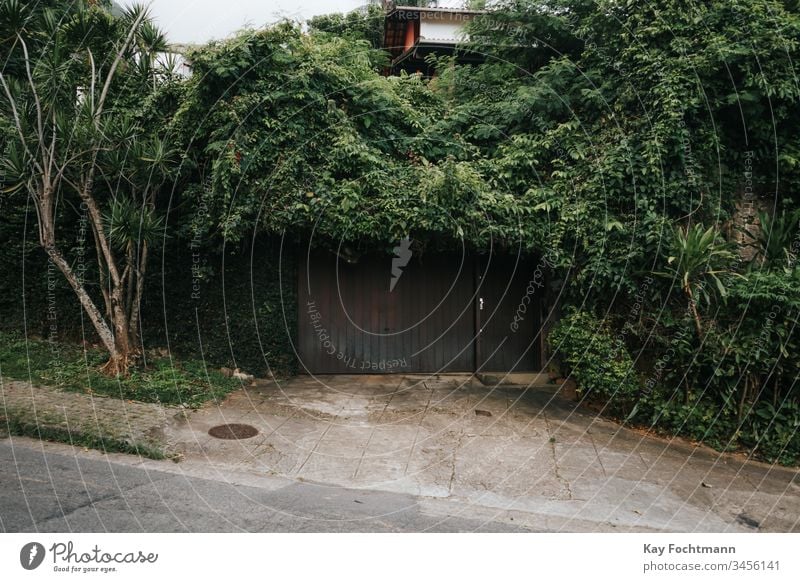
point(745, 224)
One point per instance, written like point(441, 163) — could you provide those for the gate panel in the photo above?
point(351, 322)
point(509, 315)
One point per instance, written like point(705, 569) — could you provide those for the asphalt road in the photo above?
point(54, 488)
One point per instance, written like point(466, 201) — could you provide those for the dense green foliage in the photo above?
point(238, 316)
point(296, 131)
point(620, 140)
point(233, 312)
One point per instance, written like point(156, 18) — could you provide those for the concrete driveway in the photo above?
point(523, 453)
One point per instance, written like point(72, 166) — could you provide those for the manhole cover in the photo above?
point(233, 431)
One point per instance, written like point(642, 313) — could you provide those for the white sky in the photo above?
point(198, 21)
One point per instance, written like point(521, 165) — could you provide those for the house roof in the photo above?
point(398, 17)
point(431, 9)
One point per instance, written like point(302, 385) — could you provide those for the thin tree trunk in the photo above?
point(695, 314)
point(105, 333)
point(97, 223)
point(131, 270)
point(102, 275)
point(742, 399)
point(120, 360)
point(137, 301)
point(699, 327)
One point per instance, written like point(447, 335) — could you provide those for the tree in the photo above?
point(66, 66)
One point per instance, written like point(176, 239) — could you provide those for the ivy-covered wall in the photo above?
point(227, 307)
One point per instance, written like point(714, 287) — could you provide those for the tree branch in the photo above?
point(18, 123)
point(107, 85)
point(37, 102)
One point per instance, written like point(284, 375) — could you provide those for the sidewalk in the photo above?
point(82, 419)
point(525, 452)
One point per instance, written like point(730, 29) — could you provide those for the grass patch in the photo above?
point(72, 368)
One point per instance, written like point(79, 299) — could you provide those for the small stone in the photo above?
point(243, 376)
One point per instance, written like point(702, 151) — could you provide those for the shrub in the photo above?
point(598, 361)
point(773, 433)
point(734, 386)
point(697, 419)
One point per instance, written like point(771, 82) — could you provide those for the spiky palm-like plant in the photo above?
point(774, 239)
point(698, 257)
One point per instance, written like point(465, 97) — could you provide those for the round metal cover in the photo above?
point(233, 431)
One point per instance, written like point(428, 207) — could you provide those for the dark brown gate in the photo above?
point(353, 319)
point(350, 320)
point(509, 317)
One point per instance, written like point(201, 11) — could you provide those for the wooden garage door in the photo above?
point(509, 318)
point(352, 322)
point(445, 313)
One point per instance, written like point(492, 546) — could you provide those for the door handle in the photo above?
point(480, 304)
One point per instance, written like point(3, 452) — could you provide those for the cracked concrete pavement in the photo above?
point(505, 450)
